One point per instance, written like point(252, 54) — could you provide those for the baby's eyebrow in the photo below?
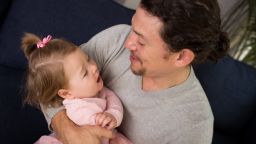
point(83, 68)
point(88, 58)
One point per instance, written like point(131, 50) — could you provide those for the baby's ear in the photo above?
point(64, 93)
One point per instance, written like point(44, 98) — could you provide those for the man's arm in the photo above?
point(69, 133)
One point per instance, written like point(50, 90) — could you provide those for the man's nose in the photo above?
point(130, 42)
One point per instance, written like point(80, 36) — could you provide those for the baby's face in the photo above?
point(83, 74)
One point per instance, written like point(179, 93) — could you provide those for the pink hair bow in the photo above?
point(45, 40)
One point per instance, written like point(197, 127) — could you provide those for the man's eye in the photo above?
point(141, 44)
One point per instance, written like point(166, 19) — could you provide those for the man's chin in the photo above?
point(138, 72)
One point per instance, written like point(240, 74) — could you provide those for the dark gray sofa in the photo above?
point(230, 85)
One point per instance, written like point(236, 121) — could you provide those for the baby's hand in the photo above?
point(105, 119)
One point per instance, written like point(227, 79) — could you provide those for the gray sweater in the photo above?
point(177, 115)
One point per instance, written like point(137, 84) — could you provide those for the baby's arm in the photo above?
point(114, 106)
point(81, 112)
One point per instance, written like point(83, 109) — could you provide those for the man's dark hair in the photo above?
point(192, 24)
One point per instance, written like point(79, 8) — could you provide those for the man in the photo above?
point(163, 100)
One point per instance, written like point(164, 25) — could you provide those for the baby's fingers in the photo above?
point(99, 118)
point(111, 125)
point(106, 121)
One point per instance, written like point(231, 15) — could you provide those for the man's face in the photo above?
point(149, 53)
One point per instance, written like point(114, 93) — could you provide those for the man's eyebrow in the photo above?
point(138, 33)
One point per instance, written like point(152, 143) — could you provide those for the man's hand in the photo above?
point(69, 133)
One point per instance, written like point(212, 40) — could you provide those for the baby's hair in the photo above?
point(45, 75)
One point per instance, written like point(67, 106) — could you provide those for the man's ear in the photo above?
point(185, 57)
point(64, 93)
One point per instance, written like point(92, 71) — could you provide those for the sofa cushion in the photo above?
point(19, 123)
point(4, 7)
point(75, 20)
point(230, 86)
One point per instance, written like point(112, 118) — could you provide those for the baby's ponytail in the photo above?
point(28, 43)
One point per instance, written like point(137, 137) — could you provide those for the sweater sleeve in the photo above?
point(49, 114)
point(81, 112)
point(114, 106)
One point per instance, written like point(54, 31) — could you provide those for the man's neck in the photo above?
point(167, 81)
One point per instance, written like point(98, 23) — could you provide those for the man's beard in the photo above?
point(139, 72)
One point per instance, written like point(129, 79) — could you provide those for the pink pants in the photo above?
point(51, 139)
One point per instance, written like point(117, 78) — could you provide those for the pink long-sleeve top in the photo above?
point(83, 111)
